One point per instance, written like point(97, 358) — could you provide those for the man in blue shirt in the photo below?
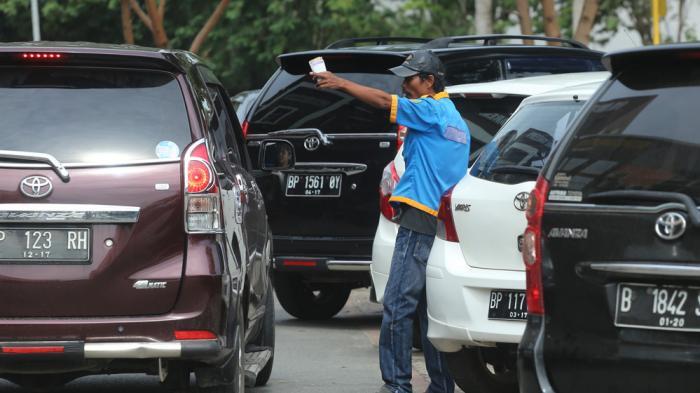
point(436, 152)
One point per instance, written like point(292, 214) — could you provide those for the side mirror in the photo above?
point(276, 155)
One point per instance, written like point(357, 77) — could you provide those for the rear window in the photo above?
point(484, 116)
point(293, 102)
point(642, 134)
point(87, 115)
point(521, 147)
point(521, 67)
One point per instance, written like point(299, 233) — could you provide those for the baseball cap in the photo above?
point(420, 61)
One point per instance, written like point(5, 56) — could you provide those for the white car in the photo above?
point(475, 277)
point(485, 107)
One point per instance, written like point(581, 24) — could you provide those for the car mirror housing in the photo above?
point(276, 155)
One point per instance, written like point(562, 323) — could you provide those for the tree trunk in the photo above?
point(209, 26)
point(681, 20)
point(585, 24)
point(127, 27)
point(525, 19)
point(160, 38)
point(551, 23)
point(483, 16)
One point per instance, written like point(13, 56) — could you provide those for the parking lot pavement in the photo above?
point(339, 356)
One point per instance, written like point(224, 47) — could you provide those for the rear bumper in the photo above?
point(328, 247)
point(295, 264)
point(382, 251)
point(532, 376)
point(458, 301)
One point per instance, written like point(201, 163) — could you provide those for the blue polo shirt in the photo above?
point(436, 149)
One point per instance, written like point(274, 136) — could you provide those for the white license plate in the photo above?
point(44, 245)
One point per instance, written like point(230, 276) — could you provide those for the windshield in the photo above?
point(87, 115)
point(521, 147)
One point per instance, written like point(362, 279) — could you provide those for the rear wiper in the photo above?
point(38, 157)
point(660, 196)
point(516, 169)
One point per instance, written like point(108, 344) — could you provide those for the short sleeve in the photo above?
point(418, 115)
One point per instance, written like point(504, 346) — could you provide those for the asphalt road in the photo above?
point(338, 356)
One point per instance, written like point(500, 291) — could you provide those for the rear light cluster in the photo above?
point(390, 178)
point(400, 136)
point(532, 247)
point(446, 229)
point(202, 201)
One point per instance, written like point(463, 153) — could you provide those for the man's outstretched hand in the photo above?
point(368, 95)
point(327, 80)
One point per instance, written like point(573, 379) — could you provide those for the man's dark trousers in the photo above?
point(404, 300)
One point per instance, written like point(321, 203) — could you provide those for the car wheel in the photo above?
point(483, 370)
point(233, 369)
point(322, 301)
point(267, 338)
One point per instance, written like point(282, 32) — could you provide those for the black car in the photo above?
point(613, 265)
point(323, 213)
point(133, 237)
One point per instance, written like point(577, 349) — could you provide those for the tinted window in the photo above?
point(642, 134)
point(82, 115)
point(520, 67)
point(221, 126)
point(460, 71)
point(293, 101)
point(484, 116)
point(519, 150)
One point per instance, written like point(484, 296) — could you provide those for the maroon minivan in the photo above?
point(132, 236)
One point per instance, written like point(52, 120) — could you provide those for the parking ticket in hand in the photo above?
point(317, 64)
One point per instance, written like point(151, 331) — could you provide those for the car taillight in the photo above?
point(202, 200)
point(532, 247)
point(400, 136)
point(390, 178)
point(446, 229)
point(194, 335)
point(244, 128)
point(42, 56)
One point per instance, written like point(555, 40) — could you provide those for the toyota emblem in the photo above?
point(520, 201)
point(670, 226)
point(312, 143)
point(36, 186)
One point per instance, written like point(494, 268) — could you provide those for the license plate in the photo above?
point(38, 245)
point(660, 307)
point(507, 305)
point(299, 185)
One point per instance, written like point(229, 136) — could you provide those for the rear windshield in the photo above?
point(87, 115)
point(484, 116)
point(519, 150)
point(642, 134)
point(293, 102)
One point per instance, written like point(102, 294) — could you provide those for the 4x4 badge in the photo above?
point(36, 186)
point(312, 143)
point(670, 226)
point(520, 201)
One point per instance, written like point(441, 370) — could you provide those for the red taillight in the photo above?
point(446, 223)
point(244, 128)
point(390, 178)
point(194, 335)
point(400, 136)
point(42, 56)
point(532, 247)
point(202, 202)
point(31, 350)
point(298, 263)
point(200, 175)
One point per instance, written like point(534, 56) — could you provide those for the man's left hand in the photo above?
point(327, 80)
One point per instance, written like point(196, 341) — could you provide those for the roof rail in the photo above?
point(349, 42)
point(492, 39)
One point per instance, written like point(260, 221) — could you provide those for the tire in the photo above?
point(178, 378)
point(323, 301)
point(234, 367)
point(267, 338)
point(483, 370)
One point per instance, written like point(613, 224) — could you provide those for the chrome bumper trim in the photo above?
point(67, 213)
point(349, 266)
point(649, 269)
point(133, 350)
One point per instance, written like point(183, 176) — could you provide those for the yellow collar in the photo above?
point(437, 96)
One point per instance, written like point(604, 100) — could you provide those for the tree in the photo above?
point(524, 17)
point(483, 17)
point(586, 22)
point(551, 21)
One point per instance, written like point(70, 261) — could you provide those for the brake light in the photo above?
point(532, 247)
point(244, 128)
point(42, 56)
point(390, 178)
point(400, 136)
point(194, 335)
point(446, 229)
point(202, 201)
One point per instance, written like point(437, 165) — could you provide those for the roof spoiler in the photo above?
point(351, 60)
point(155, 60)
point(493, 39)
point(652, 55)
point(351, 42)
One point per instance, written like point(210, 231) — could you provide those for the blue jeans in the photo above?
point(404, 300)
